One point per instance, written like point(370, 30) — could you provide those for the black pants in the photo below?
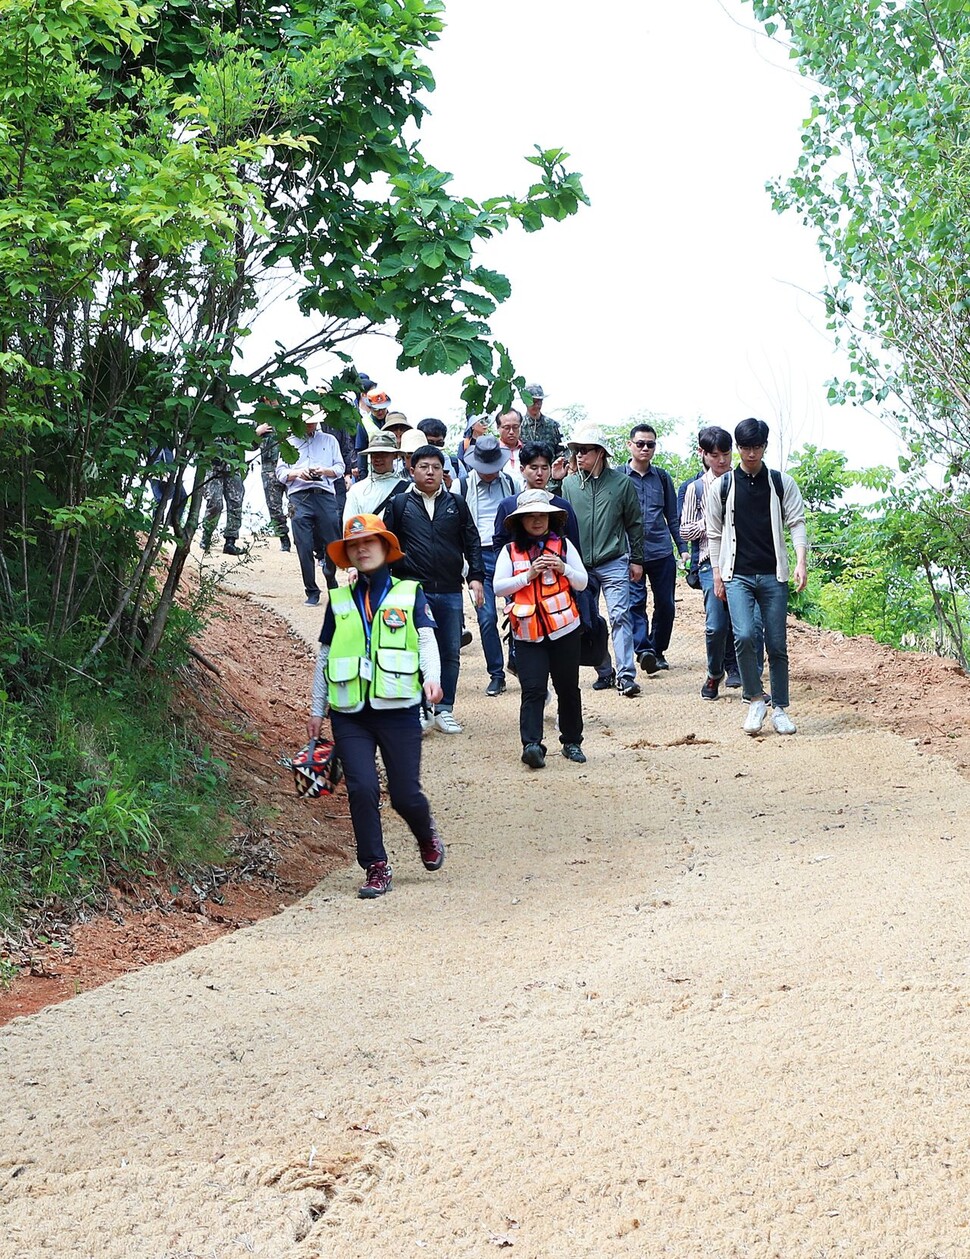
point(558, 659)
point(397, 733)
point(316, 522)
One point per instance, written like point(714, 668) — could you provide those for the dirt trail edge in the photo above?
point(704, 996)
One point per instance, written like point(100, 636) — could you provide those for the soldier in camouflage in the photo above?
point(537, 427)
point(269, 454)
point(223, 487)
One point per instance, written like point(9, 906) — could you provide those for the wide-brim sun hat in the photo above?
point(534, 502)
point(412, 440)
point(361, 526)
point(396, 419)
point(382, 444)
point(589, 435)
point(487, 455)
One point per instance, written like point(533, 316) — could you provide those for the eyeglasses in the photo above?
point(644, 445)
point(760, 446)
point(587, 450)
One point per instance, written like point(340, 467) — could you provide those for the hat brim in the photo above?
point(537, 509)
point(496, 465)
point(338, 550)
point(380, 450)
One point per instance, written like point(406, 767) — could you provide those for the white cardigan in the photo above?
point(720, 525)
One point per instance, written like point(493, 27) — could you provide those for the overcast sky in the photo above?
point(678, 290)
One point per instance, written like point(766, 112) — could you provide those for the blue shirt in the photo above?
point(658, 507)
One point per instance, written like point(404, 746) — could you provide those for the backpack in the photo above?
point(776, 481)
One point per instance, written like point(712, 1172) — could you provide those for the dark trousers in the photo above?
point(396, 733)
point(316, 523)
point(654, 634)
point(558, 659)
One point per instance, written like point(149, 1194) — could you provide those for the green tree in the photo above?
point(160, 165)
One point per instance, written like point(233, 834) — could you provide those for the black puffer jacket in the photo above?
point(435, 550)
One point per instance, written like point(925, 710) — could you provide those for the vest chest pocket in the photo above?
point(397, 673)
point(523, 610)
point(559, 602)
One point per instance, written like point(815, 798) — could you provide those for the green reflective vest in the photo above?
point(387, 673)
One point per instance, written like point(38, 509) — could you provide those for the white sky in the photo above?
point(678, 290)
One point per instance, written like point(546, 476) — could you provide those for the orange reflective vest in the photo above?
point(540, 609)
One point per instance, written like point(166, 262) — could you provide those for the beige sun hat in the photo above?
point(411, 440)
point(589, 434)
point(536, 501)
point(396, 419)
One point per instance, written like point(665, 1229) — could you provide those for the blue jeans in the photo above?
point(662, 576)
point(746, 595)
point(613, 578)
point(447, 612)
point(487, 622)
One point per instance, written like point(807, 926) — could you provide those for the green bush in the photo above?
point(98, 784)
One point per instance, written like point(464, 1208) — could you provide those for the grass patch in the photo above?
point(98, 784)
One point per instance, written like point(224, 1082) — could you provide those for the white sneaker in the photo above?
point(427, 722)
point(446, 723)
point(782, 722)
point(757, 711)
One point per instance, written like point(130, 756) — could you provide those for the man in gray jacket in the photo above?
point(611, 546)
point(747, 511)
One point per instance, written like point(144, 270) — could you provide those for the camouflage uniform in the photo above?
point(541, 429)
point(269, 453)
point(223, 485)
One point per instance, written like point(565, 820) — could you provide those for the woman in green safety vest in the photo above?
point(376, 645)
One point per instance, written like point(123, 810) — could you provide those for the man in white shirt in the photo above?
point(371, 495)
point(309, 482)
point(510, 435)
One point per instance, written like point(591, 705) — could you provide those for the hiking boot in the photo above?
point(446, 723)
point(782, 722)
point(661, 662)
point(466, 637)
point(495, 687)
point(630, 690)
point(733, 679)
point(534, 755)
point(605, 684)
point(284, 544)
point(709, 689)
point(573, 752)
point(757, 711)
point(231, 548)
point(378, 881)
point(432, 850)
point(648, 661)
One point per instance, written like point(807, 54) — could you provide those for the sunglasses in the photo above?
point(587, 450)
point(644, 445)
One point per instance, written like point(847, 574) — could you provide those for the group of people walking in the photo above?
point(389, 660)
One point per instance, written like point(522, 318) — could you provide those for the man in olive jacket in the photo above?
point(611, 545)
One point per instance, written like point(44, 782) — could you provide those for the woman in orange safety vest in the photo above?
point(538, 571)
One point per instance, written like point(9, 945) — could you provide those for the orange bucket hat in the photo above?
point(364, 526)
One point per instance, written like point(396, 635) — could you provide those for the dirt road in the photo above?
point(704, 996)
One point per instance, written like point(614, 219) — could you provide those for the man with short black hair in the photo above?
point(436, 434)
point(658, 507)
point(438, 536)
point(747, 511)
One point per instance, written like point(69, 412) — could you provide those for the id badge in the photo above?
point(366, 668)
